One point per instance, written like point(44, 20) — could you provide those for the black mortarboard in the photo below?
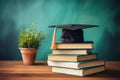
point(73, 26)
point(72, 33)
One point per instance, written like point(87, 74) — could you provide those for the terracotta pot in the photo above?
point(28, 55)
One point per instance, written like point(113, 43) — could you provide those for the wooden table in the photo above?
point(15, 70)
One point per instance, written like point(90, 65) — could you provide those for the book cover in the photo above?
point(86, 45)
point(71, 57)
point(78, 72)
point(72, 51)
point(76, 65)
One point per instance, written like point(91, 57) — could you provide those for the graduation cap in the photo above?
point(73, 26)
point(71, 33)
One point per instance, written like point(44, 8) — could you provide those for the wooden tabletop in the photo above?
point(15, 70)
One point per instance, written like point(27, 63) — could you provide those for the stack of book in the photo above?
point(74, 58)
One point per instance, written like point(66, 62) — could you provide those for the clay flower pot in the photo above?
point(28, 55)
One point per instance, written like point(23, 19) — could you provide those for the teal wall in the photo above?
point(17, 14)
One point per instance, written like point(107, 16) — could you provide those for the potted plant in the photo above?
point(29, 40)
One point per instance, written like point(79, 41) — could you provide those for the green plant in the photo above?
point(30, 38)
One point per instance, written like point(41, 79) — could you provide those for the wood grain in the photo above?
point(15, 70)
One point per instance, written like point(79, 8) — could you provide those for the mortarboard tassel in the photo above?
point(54, 45)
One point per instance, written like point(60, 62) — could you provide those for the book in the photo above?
point(71, 57)
point(72, 51)
point(78, 72)
point(85, 45)
point(75, 65)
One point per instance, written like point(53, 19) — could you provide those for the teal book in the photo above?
point(78, 72)
point(71, 57)
point(76, 65)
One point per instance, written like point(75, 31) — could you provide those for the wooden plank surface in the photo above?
point(15, 70)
